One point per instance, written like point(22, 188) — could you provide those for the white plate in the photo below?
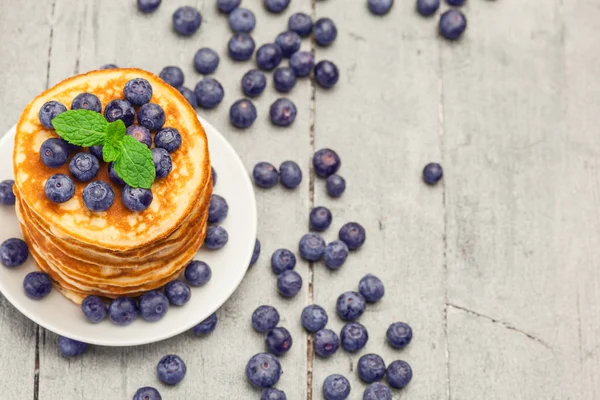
point(228, 264)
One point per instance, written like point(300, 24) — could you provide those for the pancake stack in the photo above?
point(116, 252)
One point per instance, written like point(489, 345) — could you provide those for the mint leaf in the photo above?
point(81, 127)
point(134, 165)
point(112, 142)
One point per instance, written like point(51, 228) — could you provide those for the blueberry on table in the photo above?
point(242, 114)
point(98, 196)
point(263, 370)
point(168, 139)
point(455, 3)
point(119, 109)
point(197, 273)
point(216, 237)
point(86, 101)
point(178, 293)
point(217, 209)
point(265, 318)
point(326, 74)
point(268, 56)
point(336, 254)
point(282, 112)
point(7, 196)
point(282, 260)
point(123, 311)
point(209, 93)
point(452, 24)
point(84, 166)
point(265, 175)
point(272, 394)
point(162, 162)
point(151, 116)
point(171, 369)
point(314, 318)
point(241, 47)
point(94, 309)
point(37, 285)
point(227, 6)
point(432, 173)
point(147, 393)
point(289, 283)
point(136, 199)
point(380, 7)
point(242, 20)
point(399, 335)
point(255, 253)
point(138, 91)
point(108, 66)
point(290, 174)
point(350, 306)
point(59, 188)
point(336, 185)
point(325, 31)
point(213, 174)
point(312, 247)
point(284, 79)
point(399, 374)
point(70, 348)
point(326, 342)
point(353, 234)
point(371, 368)
point(207, 326)
point(336, 387)
point(54, 152)
point(206, 61)
point(427, 7)
point(300, 23)
point(50, 110)
point(13, 252)
point(354, 336)
point(289, 43)
point(371, 288)
point(189, 95)
point(276, 6)
point(320, 219)
point(186, 20)
point(377, 391)
point(97, 151)
point(172, 75)
point(148, 6)
point(278, 341)
point(302, 62)
point(326, 162)
point(254, 83)
point(112, 174)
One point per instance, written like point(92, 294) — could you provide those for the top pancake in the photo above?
point(118, 228)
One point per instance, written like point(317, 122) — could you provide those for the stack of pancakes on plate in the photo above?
point(116, 252)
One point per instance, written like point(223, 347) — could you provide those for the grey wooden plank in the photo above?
point(382, 118)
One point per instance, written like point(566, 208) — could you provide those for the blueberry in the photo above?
point(254, 83)
point(354, 336)
point(189, 95)
point(263, 370)
point(241, 47)
point(148, 6)
point(147, 393)
point(282, 112)
point(371, 288)
point(353, 234)
point(186, 21)
point(276, 6)
point(300, 23)
point(98, 196)
point(171, 369)
point(320, 219)
point(71, 348)
point(325, 31)
point(290, 174)
point(242, 114)
point(268, 56)
point(380, 7)
point(302, 62)
point(452, 24)
point(255, 253)
point(120, 109)
point(54, 152)
point(197, 273)
point(153, 306)
point(13, 252)
point(227, 6)
point(377, 391)
point(37, 285)
point(151, 116)
point(371, 368)
point(112, 174)
point(336, 387)
point(216, 237)
point(138, 91)
point(314, 318)
point(50, 110)
point(399, 335)
point(455, 3)
point(207, 326)
point(265, 175)
point(168, 139)
point(172, 75)
point(278, 341)
point(289, 43)
point(86, 101)
point(289, 283)
point(427, 7)
point(326, 162)
point(399, 374)
point(272, 394)
point(336, 185)
point(326, 74)
point(178, 293)
point(284, 79)
point(213, 174)
point(94, 309)
point(206, 61)
point(282, 260)
point(84, 166)
point(123, 311)
point(326, 342)
point(97, 152)
point(7, 196)
point(162, 162)
point(242, 20)
point(217, 210)
point(265, 318)
point(350, 306)
point(336, 253)
point(312, 247)
point(432, 173)
point(108, 66)
point(209, 93)
point(136, 199)
point(59, 188)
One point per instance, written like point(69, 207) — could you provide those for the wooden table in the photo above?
point(496, 268)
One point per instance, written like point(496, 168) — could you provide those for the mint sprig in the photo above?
point(133, 160)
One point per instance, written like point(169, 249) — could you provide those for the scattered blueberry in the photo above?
point(50, 110)
point(289, 283)
point(289, 43)
point(399, 374)
point(336, 253)
point(314, 318)
point(206, 61)
point(97, 152)
point(112, 174)
point(217, 210)
point(371, 288)
point(213, 173)
point(336, 387)
point(377, 391)
point(37, 285)
point(455, 3)
point(380, 7)
point(71, 348)
point(241, 47)
point(432, 173)
point(326, 162)
point(282, 260)
point(94, 309)
point(98, 196)
point(302, 62)
point(168, 139)
point(284, 79)
point(255, 253)
point(84, 166)
point(120, 109)
point(272, 394)
point(186, 21)
point(189, 95)
point(242, 20)
point(86, 101)
point(216, 237)
point(268, 56)
point(13, 252)
point(172, 75)
point(300, 23)
point(59, 188)
point(350, 306)
point(427, 7)
point(147, 393)
point(265, 318)
point(399, 335)
point(282, 112)
point(276, 6)
point(278, 341)
point(371, 368)
point(153, 306)
point(7, 196)
point(290, 174)
point(162, 162)
point(54, 152)
point(138, 91)
point(207, 326)
point(136, 199)
point(263, 370)
point(312, 247)
point(353, 234)
point(254, 83)
point(320, 219)
point(178, 293)
point(171, 369)
point(242, 114)
point(151, 116)
point(109, 66)
point(209, 93)
point(265, 175)
point(227, 6)
point(452, 24)
point(147, 6)
point(336, 185)
point(326, 342)
point(197, 273)
point(326, 74)
point(325, 31)
point(354, 336)
point(123, 311)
